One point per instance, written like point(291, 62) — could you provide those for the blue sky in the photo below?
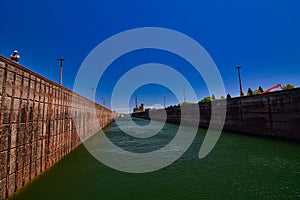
point(260, 35)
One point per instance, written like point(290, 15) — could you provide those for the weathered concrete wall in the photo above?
point(275, 114)
point(36, 127)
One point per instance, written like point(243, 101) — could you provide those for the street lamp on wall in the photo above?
point(60, 69)
point(240, 80)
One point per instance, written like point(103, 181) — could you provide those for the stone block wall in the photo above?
point(274, 114)
point(37, 126)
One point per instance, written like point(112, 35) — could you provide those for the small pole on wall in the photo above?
point(240, 80)
point(60, 69)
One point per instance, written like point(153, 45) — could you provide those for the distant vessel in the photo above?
point(121, 115)
point(140, 108)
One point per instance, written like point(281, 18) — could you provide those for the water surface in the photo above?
point(239, 167)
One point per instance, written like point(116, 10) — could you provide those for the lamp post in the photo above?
point(60, 69)
point(240, 80)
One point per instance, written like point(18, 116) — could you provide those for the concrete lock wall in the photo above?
point(36, 127)
point(274, 114)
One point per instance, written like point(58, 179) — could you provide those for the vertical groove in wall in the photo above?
point(270, 117)
point(11, 113)
point(31, 119)
point(18, 133)
point(59, 133)
point(39, 128)
point(54, 135)
point(48, 129)
point(44, 90)
point(1, 123)
point(26, 134)
point(70, 122)
point(61, 130)
point(241, 114)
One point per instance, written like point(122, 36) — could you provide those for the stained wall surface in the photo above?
point(37, 124)
point(275, 114)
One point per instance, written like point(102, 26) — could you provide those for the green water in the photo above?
point(239, 167)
